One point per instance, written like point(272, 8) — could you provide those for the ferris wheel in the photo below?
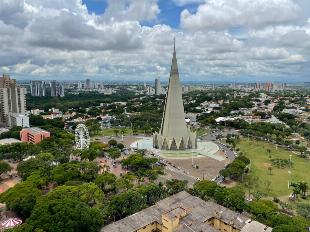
point(82, 140)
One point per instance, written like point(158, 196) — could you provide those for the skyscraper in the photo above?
point(158, 89)
point(37, 88)
point(57, 89)
point(87, 84)
point(12, 98)
point(174, 133)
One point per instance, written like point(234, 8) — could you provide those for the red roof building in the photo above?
point(33, 135)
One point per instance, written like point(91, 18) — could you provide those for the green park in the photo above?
point(273, 179)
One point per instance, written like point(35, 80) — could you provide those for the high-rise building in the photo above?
point(12, 99)
point(88, 84)
point(158, 89)
point(57, 89)
point(174, 133)
point(37, 88)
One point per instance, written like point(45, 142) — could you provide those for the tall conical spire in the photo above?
point(174, 133)
point(174, 44)
point(174, 63)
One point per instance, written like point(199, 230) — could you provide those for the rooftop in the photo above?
point(193, 212)
point(9, 141)
point(36, 130)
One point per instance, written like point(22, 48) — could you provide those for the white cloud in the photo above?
point(56, 38)
point(186, 2)
point(222, 14)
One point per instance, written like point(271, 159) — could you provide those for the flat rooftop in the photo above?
point(9, 141)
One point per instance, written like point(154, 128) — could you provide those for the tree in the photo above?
point(205, 189)
point(12, 133)
point(83, 171)
point(123, 184)
point(112, 143)
point(21, 198)
point(67, 208)
point(4, 167)
point(114, 153)
point(303, 186)
point(262, 209)
point(303, 210)
point(107, 182)
point(116, 132)
point(268, 186)
point(41, 164)
point(19, 151)
point(174, 186)
point(152, 193)
point(126, 203)
point(251, 182)
point(270, 169)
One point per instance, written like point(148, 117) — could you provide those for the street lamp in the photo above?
point(192, 158)
point(289, 178)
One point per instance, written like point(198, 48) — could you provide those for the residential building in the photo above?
point(158, 88)
point(12, 98)
point(57, 89)
point(88, 84)
point(16, 119)
point(37, 88)
point(33, 135)
point(183, 212)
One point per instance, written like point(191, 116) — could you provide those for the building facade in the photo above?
point(37, 88)
point(57, 89)
point(174, 133)
point(158, 88)
point(33, 135)
point(12, 99)
point(20, 120)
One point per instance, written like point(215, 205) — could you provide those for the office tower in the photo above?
point(37, 88)
point(174, 133)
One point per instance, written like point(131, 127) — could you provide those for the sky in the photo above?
point(124, 40)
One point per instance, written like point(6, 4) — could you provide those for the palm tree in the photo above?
point(303, 187)
point(116, 131)
point(296, 189)
point(270, 169)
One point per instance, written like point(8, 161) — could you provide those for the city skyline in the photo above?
point(129, 40)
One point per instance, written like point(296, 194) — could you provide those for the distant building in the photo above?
point(36, 111)
point(183, 212)
point(57, 89)
point(12, 98)
point(88, 84)
point(33, 135)
point(16, 119)
point(37, 88)
point(158, 89)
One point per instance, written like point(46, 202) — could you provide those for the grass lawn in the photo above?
point(256, 151)
point(111, 131)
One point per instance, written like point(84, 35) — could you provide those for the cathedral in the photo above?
point(174, 133)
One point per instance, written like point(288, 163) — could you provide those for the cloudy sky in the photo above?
point(217, 40)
